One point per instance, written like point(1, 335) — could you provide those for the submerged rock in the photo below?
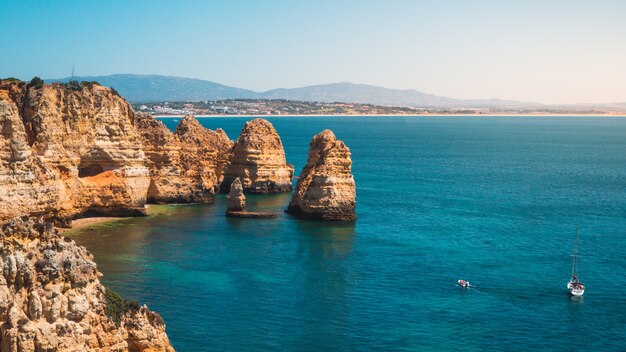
point(258, 160)
point(57, 302)
point(325, 189)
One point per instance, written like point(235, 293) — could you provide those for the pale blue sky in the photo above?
point(545, 51)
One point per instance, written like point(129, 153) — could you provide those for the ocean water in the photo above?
point(493, 200)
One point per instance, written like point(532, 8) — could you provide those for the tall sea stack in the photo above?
point(258, 160)
point(325, 188)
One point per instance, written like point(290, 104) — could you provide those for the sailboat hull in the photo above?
point(577, 292)
point(575, 288)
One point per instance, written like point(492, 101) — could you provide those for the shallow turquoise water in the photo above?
point(493, 200)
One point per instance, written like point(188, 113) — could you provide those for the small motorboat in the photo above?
point(463, 283)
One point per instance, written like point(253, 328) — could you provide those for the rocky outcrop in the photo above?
point(236, 207)
point(236, 198)
point(51, 298)
point(325, 189)
point(213, 146)
point(67, 151)
point(185, 166)
point(258, 159)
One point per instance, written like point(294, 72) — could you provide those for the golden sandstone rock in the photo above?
point(258, 160)
point(236, 198)
point(66, 152)
point(325, 189)
point(51, 298)
point(185, 166)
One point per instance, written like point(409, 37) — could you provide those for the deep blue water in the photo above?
point(493, 200)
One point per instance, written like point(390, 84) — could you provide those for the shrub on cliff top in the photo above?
point(9, 79)
point(90, 84)
point(73, 85)
point(116, 306)
point(36, 83)
point(131, 306)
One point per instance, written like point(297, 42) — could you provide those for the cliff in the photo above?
point(258, 160)
point(68, 151)
point(185, 166)
point(51, 298)
point(325, 189)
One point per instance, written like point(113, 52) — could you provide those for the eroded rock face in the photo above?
point(325, 189)
point(65, 152)
point(185, 166)
point(236, 198)
point(205, 142)
point(51, 298)
point(258, 159)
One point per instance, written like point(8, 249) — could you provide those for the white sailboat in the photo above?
point(574, 286)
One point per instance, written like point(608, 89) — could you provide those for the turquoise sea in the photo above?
point(493, 200)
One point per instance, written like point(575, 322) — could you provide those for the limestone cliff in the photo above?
point(258, 159)
point(325, 189)
point(51, 298)
point(185, 166)
point(66, 151)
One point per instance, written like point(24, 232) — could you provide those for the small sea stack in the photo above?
point(325, 189)
point(236, 198)
point(258, 159)
point(236, 207)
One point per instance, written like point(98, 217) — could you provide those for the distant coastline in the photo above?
point(397, 115)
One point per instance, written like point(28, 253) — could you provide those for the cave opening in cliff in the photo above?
point(89, 170)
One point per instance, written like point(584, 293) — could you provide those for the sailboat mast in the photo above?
point(575, 253)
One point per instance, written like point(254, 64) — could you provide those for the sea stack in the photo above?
point(51, 298)
point(236, 207)
point(325, 188)
point(185, 166)
point(236, 198)
point(258, 159)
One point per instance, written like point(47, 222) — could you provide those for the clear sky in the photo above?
point(545, 51)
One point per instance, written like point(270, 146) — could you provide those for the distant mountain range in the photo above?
point(156, 88)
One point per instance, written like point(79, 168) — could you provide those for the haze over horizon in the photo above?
point(557, 52)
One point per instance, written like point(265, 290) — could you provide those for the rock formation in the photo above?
point(258, 159)
point(325, 189)
point(185, 166)
point(51, 298)
point(236, 198)
point(206, 142)
point(67, 151)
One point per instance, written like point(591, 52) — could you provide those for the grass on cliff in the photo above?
point(116, 306)
point(9, 79)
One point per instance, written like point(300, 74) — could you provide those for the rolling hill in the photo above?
point(156, 88)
